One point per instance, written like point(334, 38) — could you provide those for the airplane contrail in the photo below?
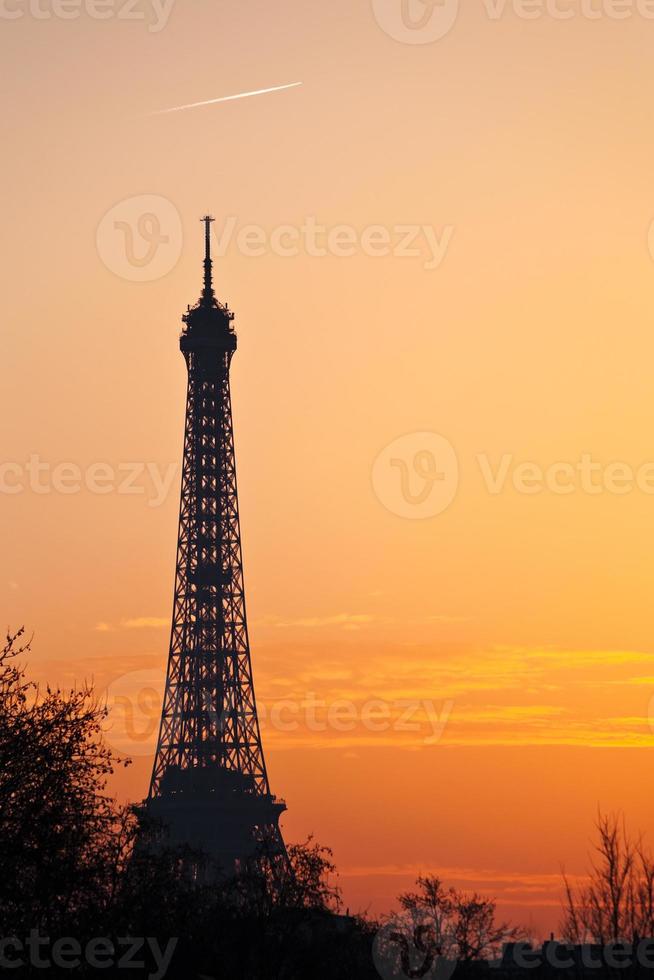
point(226, 98)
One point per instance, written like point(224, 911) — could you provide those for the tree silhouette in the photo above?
point(463, 926)
point(617, 901)
point(61, 835)
point(73, 862)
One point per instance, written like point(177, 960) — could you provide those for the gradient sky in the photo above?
point(524, 617)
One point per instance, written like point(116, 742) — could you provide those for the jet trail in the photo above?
point(226, 98)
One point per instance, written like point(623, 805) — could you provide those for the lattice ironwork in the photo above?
point(209, 724)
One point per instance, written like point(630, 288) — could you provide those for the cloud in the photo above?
point(139, 623)
point(586, 658)
point(441, 618)
point(502, 696)
point(647, 681)
point(146, 622)
point(491, 876)
point(347, 620)
point(531, 888)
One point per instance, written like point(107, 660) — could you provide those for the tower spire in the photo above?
point(207, 292)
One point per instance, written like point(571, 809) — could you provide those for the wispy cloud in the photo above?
point(490, 876)
point(346, 620)
point(501, 696)
point(440, 618)
point(535, 888)
point(146, 622)
point(353, 621)
point(138, 623)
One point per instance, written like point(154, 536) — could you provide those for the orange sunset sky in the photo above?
point(519, 619)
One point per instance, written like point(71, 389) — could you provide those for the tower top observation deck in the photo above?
point(208, 324)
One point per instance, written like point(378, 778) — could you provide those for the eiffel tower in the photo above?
point(209, 786)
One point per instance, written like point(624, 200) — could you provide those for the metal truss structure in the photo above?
point(209, 781)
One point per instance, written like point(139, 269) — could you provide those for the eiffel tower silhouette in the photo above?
point(209, 785)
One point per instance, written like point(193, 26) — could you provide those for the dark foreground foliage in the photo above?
point(79, 897)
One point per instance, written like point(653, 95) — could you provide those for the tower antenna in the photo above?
point(207, 293)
